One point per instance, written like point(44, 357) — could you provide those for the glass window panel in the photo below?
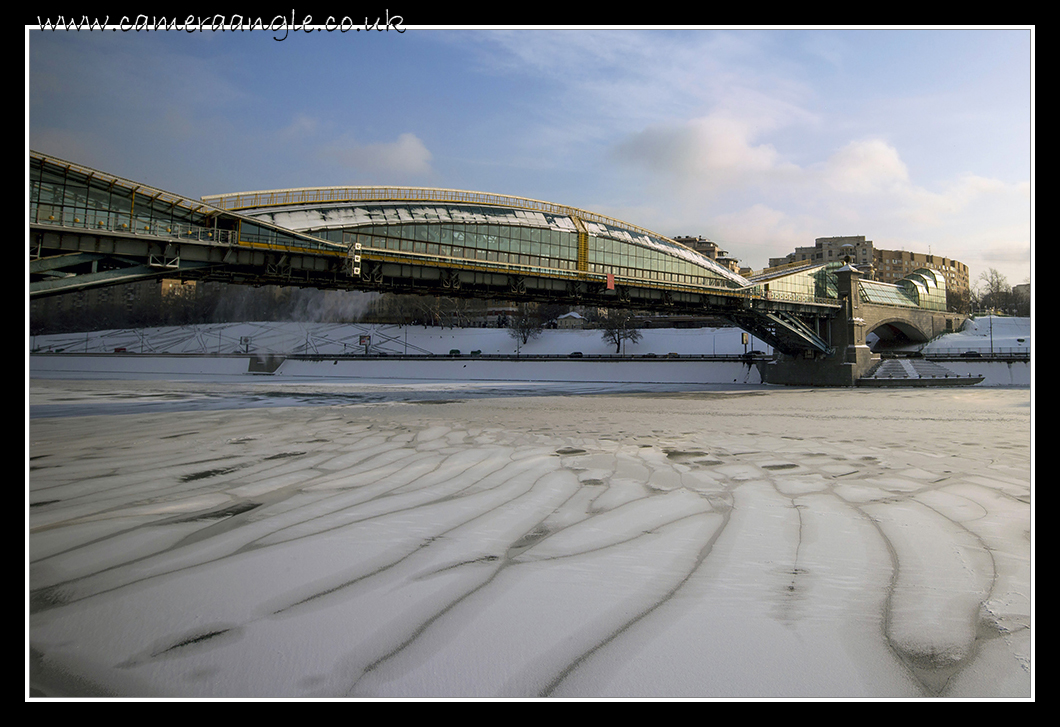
point(53, 181)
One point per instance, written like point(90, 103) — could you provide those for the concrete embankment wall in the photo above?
point(663, 370)
point(997, 373)
point(676, 371)
point(667, 371)
point(117, 365)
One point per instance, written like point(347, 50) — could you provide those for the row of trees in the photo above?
point(992, 292)
point(531, 319)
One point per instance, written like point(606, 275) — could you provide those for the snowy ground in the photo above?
point(345, 338)
point(986, 334)
point(264, 538)
point(983, 334)
point(661, 356)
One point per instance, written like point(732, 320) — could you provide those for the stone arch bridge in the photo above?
point(863, 311)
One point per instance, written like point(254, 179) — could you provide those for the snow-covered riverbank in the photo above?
point(653, 359)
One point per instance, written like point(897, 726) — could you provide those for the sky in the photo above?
point(760, 139)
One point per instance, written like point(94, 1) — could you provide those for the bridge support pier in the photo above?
point(852, 358)
point(843, 368)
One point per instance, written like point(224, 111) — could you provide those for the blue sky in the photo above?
point(760, 139)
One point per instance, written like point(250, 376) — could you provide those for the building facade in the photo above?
point(830, 250)
point(891, 265)
point(886, 266)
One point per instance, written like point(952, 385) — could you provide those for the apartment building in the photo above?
point(887, 266)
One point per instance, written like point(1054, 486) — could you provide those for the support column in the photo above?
point(857, 358)
point(852, 358)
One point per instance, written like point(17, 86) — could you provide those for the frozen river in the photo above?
point(204, 539)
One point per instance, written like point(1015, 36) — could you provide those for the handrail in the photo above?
point(175, 231)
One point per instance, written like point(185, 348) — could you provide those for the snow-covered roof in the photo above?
point(306, 211)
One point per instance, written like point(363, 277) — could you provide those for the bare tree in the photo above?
point(619, 326)
point(993, 290)
point(525, 323)
point(958, 300)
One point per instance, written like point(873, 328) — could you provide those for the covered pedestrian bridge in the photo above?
point(88, 228)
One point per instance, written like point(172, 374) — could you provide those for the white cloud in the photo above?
point(759, 232)
point(865, 167)
point(707, 151)
point(407, 156)
point(746, 196)
point(300, 127)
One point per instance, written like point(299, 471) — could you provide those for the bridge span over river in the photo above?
point(89, 228)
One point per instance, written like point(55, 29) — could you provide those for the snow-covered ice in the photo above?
point(740, 541)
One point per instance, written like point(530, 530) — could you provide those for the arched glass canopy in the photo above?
point(481, 230)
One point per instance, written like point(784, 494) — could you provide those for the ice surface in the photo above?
point(743, 542)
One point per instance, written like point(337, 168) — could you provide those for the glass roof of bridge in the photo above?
point(465, 208)
point(873, 291)
point(923, 288)
point(383, 213)
point(71, 195)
